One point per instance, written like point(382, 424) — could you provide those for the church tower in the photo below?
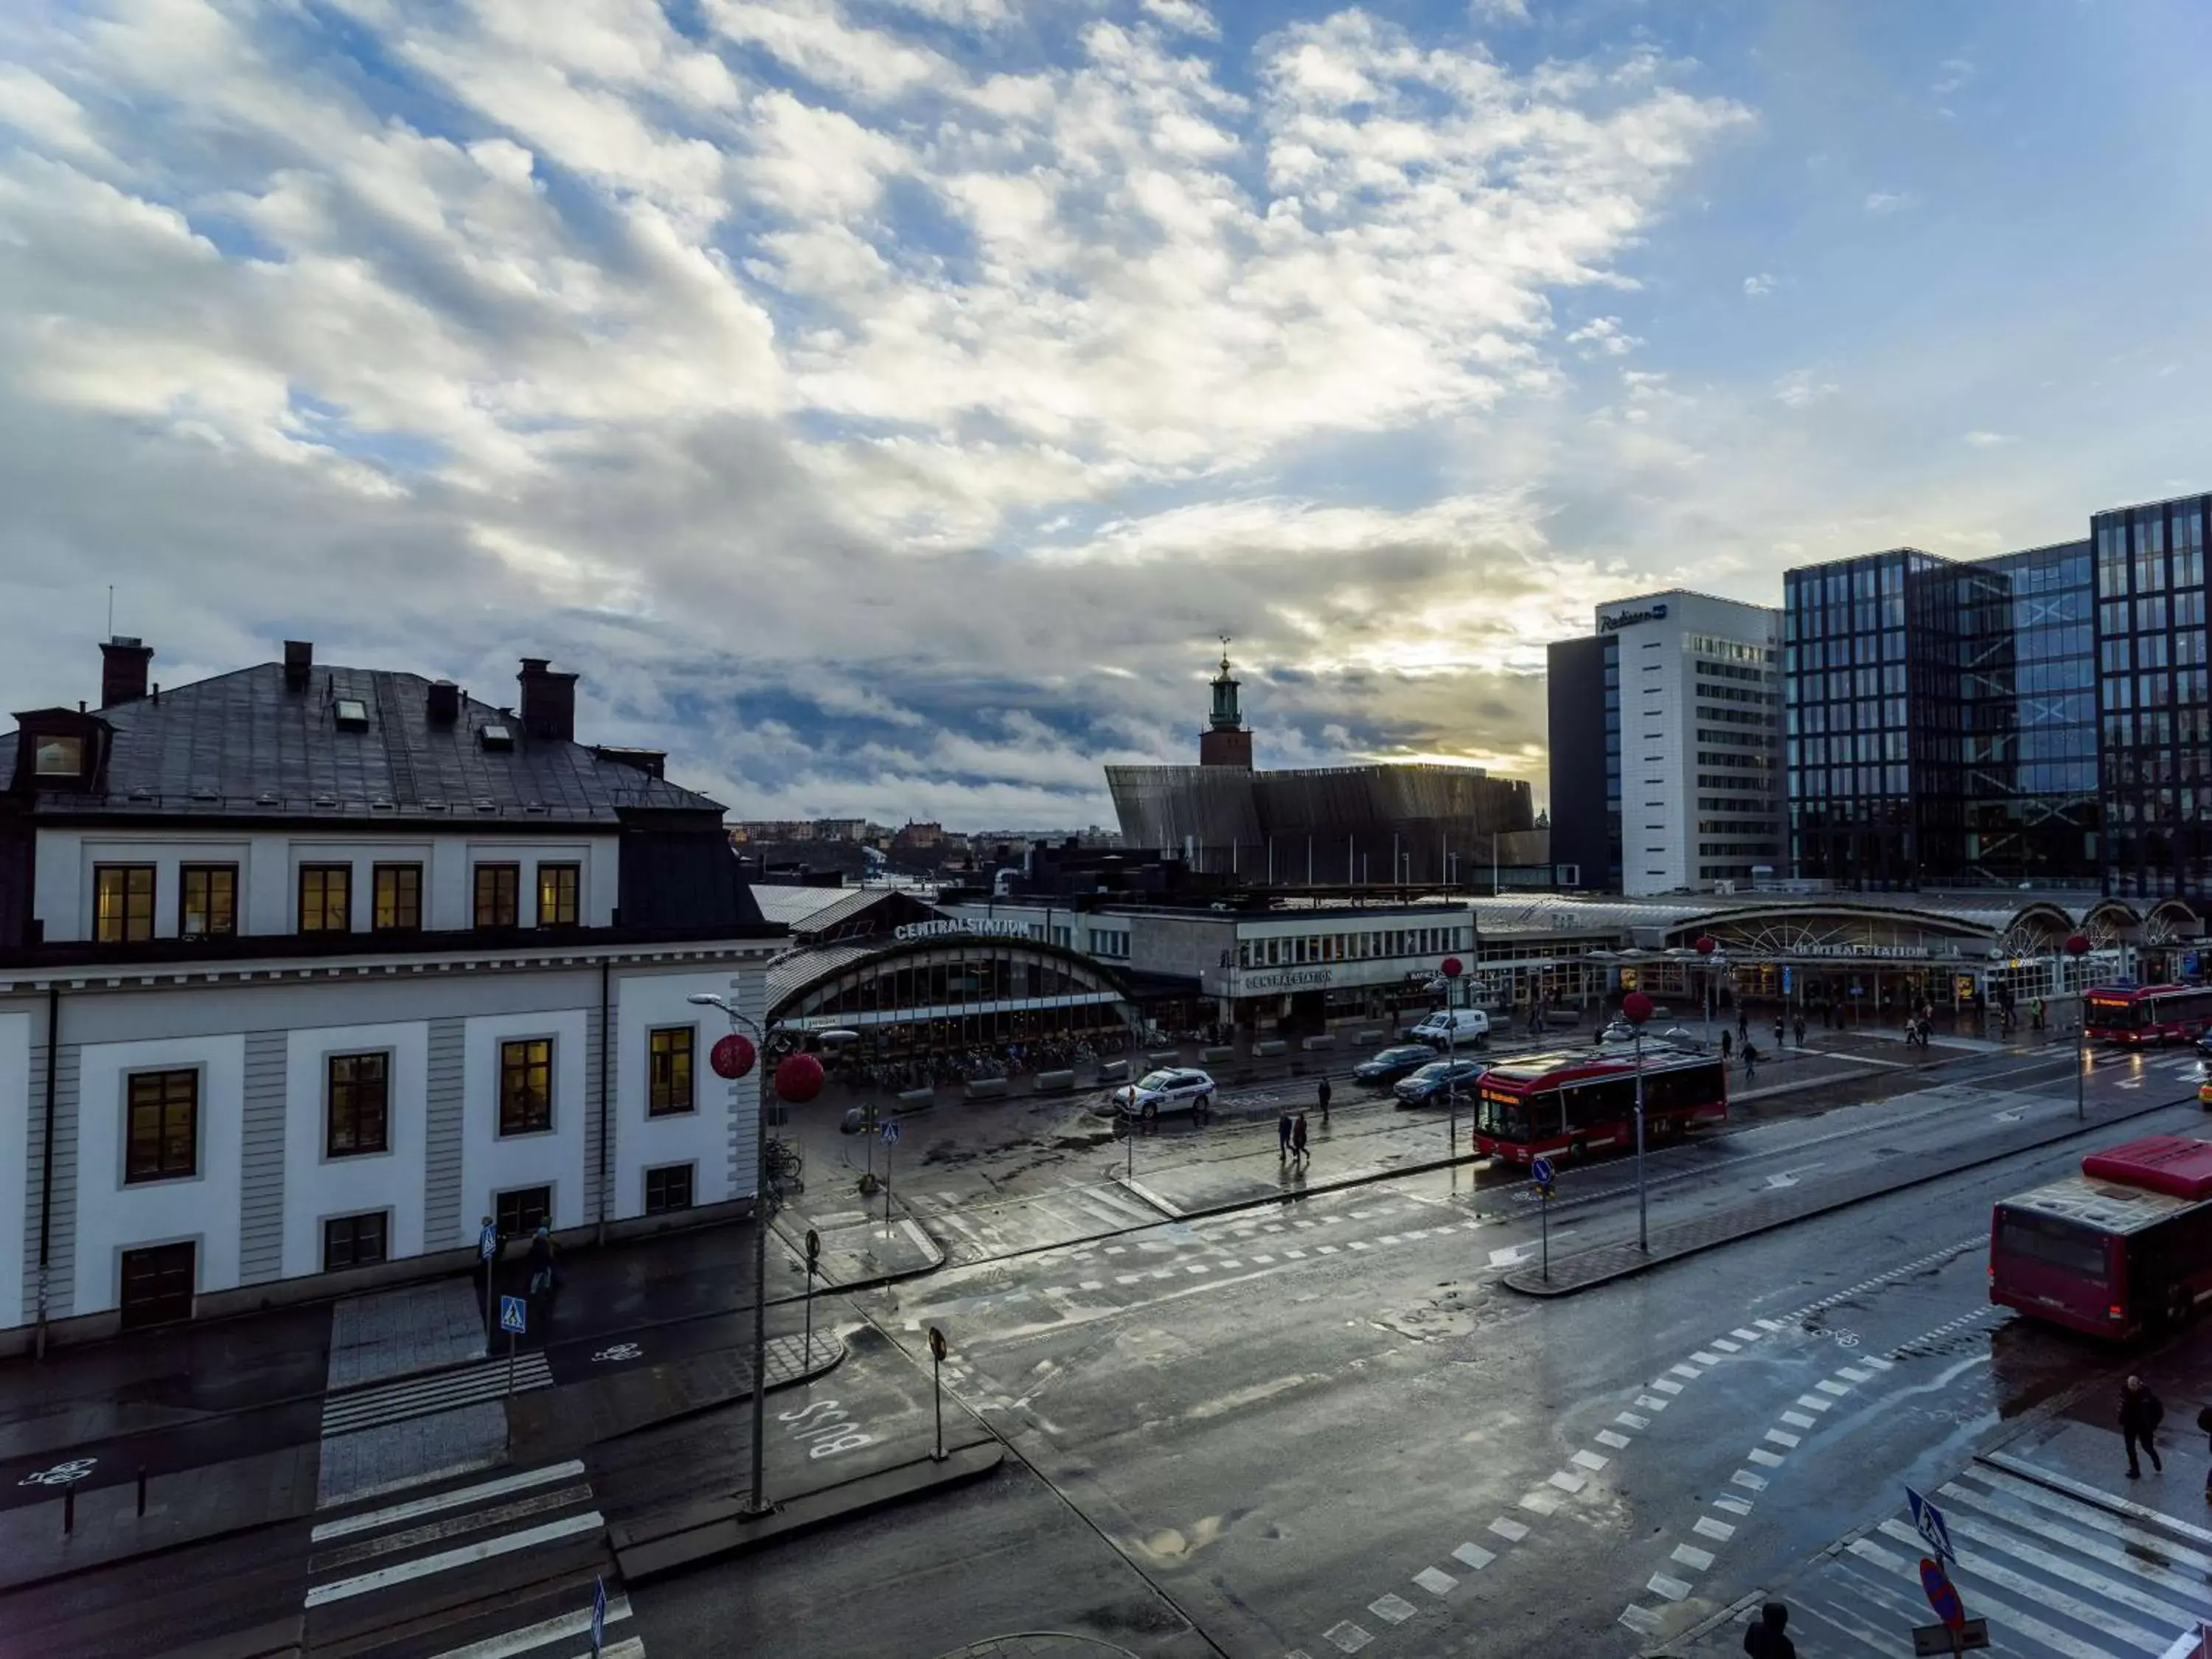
point(1224, 742)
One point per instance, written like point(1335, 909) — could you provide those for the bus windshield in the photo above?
point(2068, 1246)
point(1502, 1116)
point(2114, 1013)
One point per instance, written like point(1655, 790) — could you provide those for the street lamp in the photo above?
point(1635, 1008)
point(798, 1079)
point(1706, 945)
point(2077, 946)
point(1451, 968)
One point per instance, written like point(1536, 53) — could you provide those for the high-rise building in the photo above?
point(2157, 779)
point(1941, 720)
point(1666, 744)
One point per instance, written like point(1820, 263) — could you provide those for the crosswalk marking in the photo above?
point(558, 1628)
point(422, 1396)
point(369, 1520)
point(445, 1560)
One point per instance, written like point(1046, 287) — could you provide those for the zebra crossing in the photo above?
point(2061, 1570)
point(439, 1391)
point(413, 1579)
point(972, 1231)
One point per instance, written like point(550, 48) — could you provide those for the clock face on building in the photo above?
point(59, 758)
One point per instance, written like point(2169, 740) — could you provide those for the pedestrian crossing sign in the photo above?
point(890, 1133)
point(598, 1617)
point(514, 1315)
point(488, 1241)
point(1928, 1522)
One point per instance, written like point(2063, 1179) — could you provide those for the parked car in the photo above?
point(1385, 1068)
point(1452, 1025)
point(1432, 1085)
point(1174, 1089)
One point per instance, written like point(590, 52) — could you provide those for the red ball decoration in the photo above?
point(1636, 1008)
point(799, 1078)
point(733, 1056)
point(1454, 967)
point(1706, 945)
point(2078, 946)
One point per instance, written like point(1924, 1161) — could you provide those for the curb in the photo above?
point(78, 1569)
point(743, 1395)
point(797, 1248)
point(1138, 1189)
point(1542, 1292)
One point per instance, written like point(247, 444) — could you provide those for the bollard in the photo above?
point(142, 1492)
point(69, 1511)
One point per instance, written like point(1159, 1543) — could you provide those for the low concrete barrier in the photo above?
point(917, 1100)
point(1314, 1045)
point(1053, 1083)
point(1365, 1039)
point(1114, 1071)
point(1164, 1056)
point(987, 1088)
point(1215, 1056)
point(1271, 1047)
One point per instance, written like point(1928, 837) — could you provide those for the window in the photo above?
point(523, 1211)
point(353, 1241)
point(668, 1187)
point(398, 898)
point(207, 904)
point(556, 894)
point(525, 1087)
point(53, 757)
point(326, 898)
point(164, 1131)
point(668, 1070)
point(359, 1105)
point(496, 887)
point(351, 715)
point(122, 902)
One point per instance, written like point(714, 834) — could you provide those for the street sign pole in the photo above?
point(890, 1139)
point(813, 1265)
point(936, 1386)
point(488, 1248)
point(1542, 1170)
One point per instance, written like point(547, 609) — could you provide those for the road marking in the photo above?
point(1707, 1527)
point(1837, 1389)
point(371, 1407)
point(1742, 1336)
point(1346, 1638)
point(1733, 1505)
point(1705, 1358)
point(1091, 1284)
point(1652, 1402)
point(1542, 1501)
point(1608, 1437)
point(1295, 1255)
point(1767, 1325)
point(1472, 1555)
point(1726, 1347)
point(451, 1526)
point(558, 1628)
point(1392, 1609)
point(1746, 1478)
point(1691, 1373)
point(1672, 1589)
point(1434, 1582)
point(1326, 1249)
point(1128, 1278)
point(1196, 1267)
point(1855, 1374)
point(1630, 1420)
point(1263, 1262)
point(1567, 1479)
point(370, 1520)
point(1642, 1620)
point(1512, 1531)
point(1765, 1459)
point(1666, 1385)
point(467, 1555)
point(1231, 1264)
point(1388, 1238)
point(1797, 1419)
point(1693, 1558)
point(1814, 1402)
point(1783, 1437)
point(1591, 1460)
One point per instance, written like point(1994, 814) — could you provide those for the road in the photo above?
point(1311, 1426)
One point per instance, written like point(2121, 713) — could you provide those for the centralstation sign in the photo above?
point(988, 926)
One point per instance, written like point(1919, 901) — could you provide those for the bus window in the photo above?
point(2066, 1245)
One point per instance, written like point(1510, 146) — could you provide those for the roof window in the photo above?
point(497, 736)
point(352, 715)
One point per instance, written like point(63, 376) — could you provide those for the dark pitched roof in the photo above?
point(242, 746)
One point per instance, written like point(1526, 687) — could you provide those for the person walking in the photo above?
point(543, 1279)
point(1780, 1032)
point(1750, 1061)
point(1298, 1141)
point(2035, 1015)
point(1728, 1045)
point(1801, 1030)
point(1742, 1026)
point(1322, 1091)
point(2140, 1413)
point(1767, 1639)
point(1283, 1135)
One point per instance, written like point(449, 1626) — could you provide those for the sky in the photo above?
point(885, 404)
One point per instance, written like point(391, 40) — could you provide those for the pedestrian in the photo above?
point(1767, 1639)
point(1298, 1139)
point(2035, 1015)
point(1283, 1135)
point(1323, 1092)
point(2140, 1412)
point(2204, 1427)
point(1728, 1045)
point(542, 1276)
point(1750, 1061)
point(1780, 1028)
point(1742, 1026)
point(1800, 1030)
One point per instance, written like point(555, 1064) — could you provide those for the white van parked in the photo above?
point(1449, 1026)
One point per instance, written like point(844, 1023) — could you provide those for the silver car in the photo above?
point(1172, 1089)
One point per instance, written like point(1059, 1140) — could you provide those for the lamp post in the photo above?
point(1706, 945)
point(2077, 946)
point(1451, 969)
point(798, 1079)
point(1635, 1008)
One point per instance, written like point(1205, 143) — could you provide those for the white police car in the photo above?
point(1173, 1089)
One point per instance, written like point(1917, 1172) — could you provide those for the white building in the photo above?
point(305, 970)
point(1688, 694)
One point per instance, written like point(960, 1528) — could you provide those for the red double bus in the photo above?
point(2123, 1247)
point(1573, 1104)
point(2148, 1013)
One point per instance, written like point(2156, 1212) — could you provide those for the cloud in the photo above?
point(1990, 440)
point(1886, 201)
point(877, 403)
point(1801, 388)
point(1498, 11)
point(1957, 71)
point(1759, 286)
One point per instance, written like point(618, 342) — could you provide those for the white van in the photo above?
point(1448, 1026)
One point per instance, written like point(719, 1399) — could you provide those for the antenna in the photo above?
point(111, 611)
point(1225, 650)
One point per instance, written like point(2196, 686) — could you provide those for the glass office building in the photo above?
point(2150, 645)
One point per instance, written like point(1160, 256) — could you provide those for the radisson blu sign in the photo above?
point(1621, 619)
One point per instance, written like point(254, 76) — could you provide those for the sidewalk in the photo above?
point(555, 1423)
point(1348, 1154)
point(2079, 1448)
point(859, 1247)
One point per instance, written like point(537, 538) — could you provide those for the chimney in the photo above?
point(445, 703)
point(123, 662)
point(549, 701)
point(298, 658)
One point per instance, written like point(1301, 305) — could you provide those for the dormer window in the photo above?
point(54, 756)
point(352, 715)
point(498, 737)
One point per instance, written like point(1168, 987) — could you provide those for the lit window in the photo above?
point(59, 758)
point(122, 902)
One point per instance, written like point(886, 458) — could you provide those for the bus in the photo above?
point(2123, 1248)
point(1574, 1105)
point(2148, 1013)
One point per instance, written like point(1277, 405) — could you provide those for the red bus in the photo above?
point(1574, 1105)
point(2148, 1013)
point(2123, 1247)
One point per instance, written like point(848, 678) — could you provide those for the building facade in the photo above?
point(1681, 693)
point(305, 971)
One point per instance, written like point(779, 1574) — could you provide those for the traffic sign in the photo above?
point(936, 1343)
point(813, 1250)
point(1542, 1171)
point(598, 1617)
point(486, 1242)
point(1941, 1595)
point(514, 1315)
point(891, 1134)
point(1928, 1522)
